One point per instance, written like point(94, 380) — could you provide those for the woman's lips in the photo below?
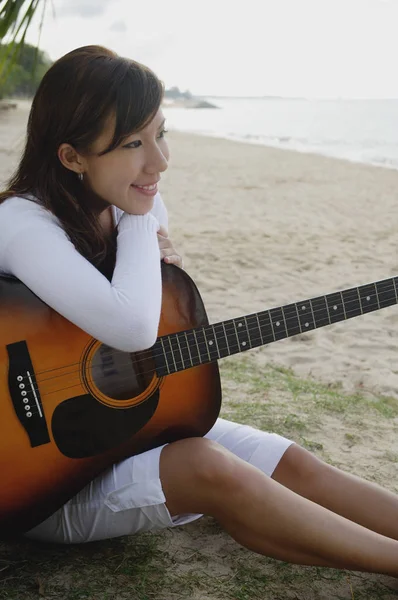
point(147, 190)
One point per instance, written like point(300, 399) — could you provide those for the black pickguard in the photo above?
point(83, 427)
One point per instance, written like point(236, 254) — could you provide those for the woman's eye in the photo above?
point(162, 133)
point(135, 144)
point(138, 143)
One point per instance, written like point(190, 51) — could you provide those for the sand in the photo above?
point(260, 227)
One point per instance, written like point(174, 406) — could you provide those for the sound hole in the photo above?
point(121, 375)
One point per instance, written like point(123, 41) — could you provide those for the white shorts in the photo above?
point(128, 498)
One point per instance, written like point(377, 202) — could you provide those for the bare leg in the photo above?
point(201, 476)
point(356, 499)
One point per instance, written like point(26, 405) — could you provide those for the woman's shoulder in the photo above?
point(23, 203)
point(19, 214)
point(20, 211)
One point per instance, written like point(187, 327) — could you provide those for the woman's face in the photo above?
point(127, 177)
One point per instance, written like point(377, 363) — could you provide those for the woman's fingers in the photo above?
point(173, 259)
point(163, 231)
point(167, 251)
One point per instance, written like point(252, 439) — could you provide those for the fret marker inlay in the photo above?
point(368, 298)
point(277, 323)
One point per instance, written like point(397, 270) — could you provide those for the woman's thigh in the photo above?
point(129, 498)
point(259, 448)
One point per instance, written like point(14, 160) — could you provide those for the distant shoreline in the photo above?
point(357, 131)
point(286, 149)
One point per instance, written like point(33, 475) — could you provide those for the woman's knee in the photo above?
point(195, 473)
point(299, 469)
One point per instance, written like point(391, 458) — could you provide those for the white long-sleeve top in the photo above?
point(123, 313)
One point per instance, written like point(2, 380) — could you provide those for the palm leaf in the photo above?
point(12, 24)
point(9, 11)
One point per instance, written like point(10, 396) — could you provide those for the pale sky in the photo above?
point(311, 48)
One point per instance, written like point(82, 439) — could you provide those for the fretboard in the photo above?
point(201, 345)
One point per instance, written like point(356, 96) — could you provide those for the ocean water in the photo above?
point(357, 130)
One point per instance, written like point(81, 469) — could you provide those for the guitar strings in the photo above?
point(150, 353)
point(147, 354)
point(232, 346)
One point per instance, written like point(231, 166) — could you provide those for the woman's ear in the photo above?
point(70, 158)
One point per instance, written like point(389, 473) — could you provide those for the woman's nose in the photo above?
point(157, 161)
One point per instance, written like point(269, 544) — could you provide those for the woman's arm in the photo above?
point(123, 313)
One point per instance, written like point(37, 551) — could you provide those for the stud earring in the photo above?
point(80, 176)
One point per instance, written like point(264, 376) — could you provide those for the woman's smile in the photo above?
point(147, 190)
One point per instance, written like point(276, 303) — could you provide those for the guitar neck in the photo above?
point(201, 345)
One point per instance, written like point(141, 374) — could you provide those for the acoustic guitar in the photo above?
point(72, 406)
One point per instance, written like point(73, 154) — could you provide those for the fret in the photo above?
point(312, 311)
point(377, 296)
point(216, 341)
point(160, 359)
point(284, 321)
point(298, 317)
point(292, 322)
point(186, 344)
point(242, 335)
point(305, 316)
point(184, 349)
point(278, 324)
point(211, 343)
point(342, 304)
point(265, 326)
point(259, 329)
point(175, 352)
point(385, 293)
point(320, 311)
point(272, 325)
point(253, 327)
point(202, 345)
point(395, 288)
point(180, 351)
point(335, 307)
point(359, 300)
point(352, 303)
point(367, 295)
point(193, 347)
point(236, 333)
point(165, 355)
point(248, 332)
point(231, 336)
point(222, 342)
point(226, 338)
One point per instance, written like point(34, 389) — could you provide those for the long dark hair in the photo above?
point(75, 98)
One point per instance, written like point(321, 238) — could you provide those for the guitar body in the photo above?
point(71, 407)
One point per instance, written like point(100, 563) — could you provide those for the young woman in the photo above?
point(83, 226)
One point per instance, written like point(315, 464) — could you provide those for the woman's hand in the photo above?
point(167, 251)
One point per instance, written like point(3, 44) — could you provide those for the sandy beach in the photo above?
point(260, 227)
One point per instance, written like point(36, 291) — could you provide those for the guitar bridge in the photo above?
point(25, 394)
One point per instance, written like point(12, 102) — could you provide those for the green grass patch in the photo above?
point(267, 391)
